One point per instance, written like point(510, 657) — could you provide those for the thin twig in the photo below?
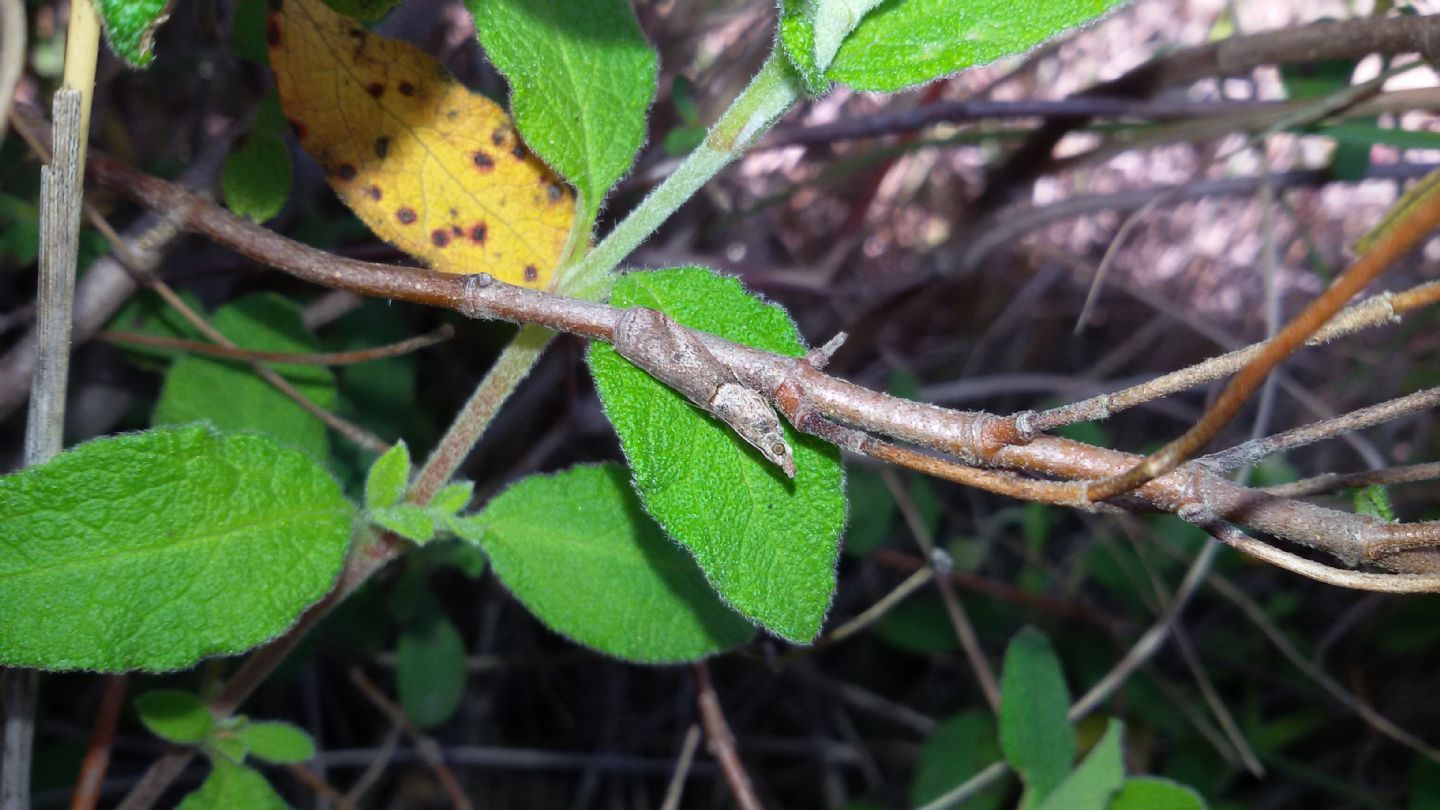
point(1334, 482)
point(941, 564)
point(1253, 451)
point(396, 349)
point(97, 757)
point(375, 767)
point(1383, 308)
point(430, 751)
point(313, 780)
point(720, 741)
point(1388, 246)
point(676, 789)
point(919, 579)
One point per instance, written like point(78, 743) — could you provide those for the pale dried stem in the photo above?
point(676, 789)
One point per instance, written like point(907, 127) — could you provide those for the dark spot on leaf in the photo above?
point(298, 128)
point(272, 32)
point(407, 89)
point(375, 89)
point(531, 273)
point(374, 192)
point(440, 237)
point(477, 233)
point(406, 216)
point(345, 172)
point(518, 152)
point(358, 33)
point(452, 114)
point(498, 137)
point(455, 229)
point(382, 146)
point(454, 213)
point(554, 192)
point(483, 162)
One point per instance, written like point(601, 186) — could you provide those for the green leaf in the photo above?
point(1424, 785)
point(1090, 786)
point(407, 520)
point(872, 511)
point(248, 31)
point(430, 665)
point(148, 314)
point(1152, 793)
point(179, 717)
point(582, 78)
point(1374, 500)
point(130, 27)
point(577, 549)
point(811, 32)
point(1037, 739)
point(154, 550)
point(280, 743)
point(766, 543)
point(388, 477)
point(459, 554)
point(230, 745)
point(256, 177)
point(364, 10)
point(908, 42)
point(453, 497)
point(229, 395)
point(231, 785)
point(470, 528)
point(957, 750)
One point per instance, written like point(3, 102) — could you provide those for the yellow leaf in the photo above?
point(428, 165)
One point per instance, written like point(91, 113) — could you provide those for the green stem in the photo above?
point(768, 96)
point(512, 366)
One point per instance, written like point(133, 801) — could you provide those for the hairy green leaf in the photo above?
point(230, 786)
point(1153, 793)
point(907, 42)
point(229, 395)
point(179, 717)
point(281, 743)
point(389, 475)
point(577, 549)
point(256, 177)
point(130, 27)
point(453, 497)
point(954, 752)
point(581, 77)
point(1094, 781)
point(407, 520)
point(153, 550)
point(430, 665)
point(766, 543)
point(1034, 733)
point(811, 31)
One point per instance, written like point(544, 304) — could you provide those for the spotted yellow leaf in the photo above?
point(428, 165)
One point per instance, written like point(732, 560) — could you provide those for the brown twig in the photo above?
point(720, 741)
point(971, 437)
point(1334, 482)
point(430, 751)
point(346, 358)
point(676, 788)
point(1387, 247)
point(324, 789)
point(102, 736)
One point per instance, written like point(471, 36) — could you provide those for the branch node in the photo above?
point(942, 562)
point(819, 357)
point(471, 304)
point(1025, 428)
